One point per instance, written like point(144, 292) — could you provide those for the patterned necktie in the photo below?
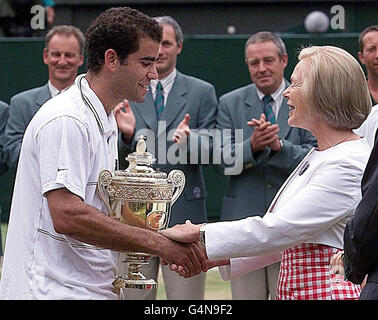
point(268, 110)
point(159, 100)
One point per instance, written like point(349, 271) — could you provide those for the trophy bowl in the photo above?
point(142, 197)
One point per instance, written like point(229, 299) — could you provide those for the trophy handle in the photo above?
point(103, 182)
point(177, 177)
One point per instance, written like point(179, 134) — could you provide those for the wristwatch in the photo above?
point(202, 234)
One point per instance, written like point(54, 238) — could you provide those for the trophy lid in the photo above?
point(140, 166)
point(140, 182)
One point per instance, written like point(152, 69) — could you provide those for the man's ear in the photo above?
point(45, 55)
point(285, 59)
point(111, 60)
point(361, 57)
point(179, 48)
point(81, 60)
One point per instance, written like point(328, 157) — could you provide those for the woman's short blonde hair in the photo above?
point(335, 87)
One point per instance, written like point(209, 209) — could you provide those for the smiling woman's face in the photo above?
point(299, 114)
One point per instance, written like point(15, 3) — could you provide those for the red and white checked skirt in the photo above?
point(305, 274)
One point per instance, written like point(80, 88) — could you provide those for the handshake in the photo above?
point(187, 235)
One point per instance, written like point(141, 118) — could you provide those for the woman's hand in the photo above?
point(337, 264)
point(187, 232)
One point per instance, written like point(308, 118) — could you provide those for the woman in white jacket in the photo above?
point(305, 222)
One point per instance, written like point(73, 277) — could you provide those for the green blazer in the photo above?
point(23, 106)
point(188, 95)
point(250, 192)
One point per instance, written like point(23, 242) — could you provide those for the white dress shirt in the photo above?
point(167, 84)
point(277, 97)
point(312, 206)
point(54, 91)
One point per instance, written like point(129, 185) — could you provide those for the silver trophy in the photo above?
point(142, 197)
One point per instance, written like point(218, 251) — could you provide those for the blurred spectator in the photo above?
point(63, 54)
point(50, 11)
point(368, 55)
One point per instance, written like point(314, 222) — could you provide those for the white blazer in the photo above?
point(313, 206)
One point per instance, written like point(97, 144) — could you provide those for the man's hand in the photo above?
point(189, 233)
point(189, 258)
point(186, 233)
point(125, 119)
point(182, 130)
point(264, 135)
point(209, 264)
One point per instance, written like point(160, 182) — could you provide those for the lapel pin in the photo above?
point(304, 168)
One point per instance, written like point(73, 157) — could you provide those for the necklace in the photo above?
point(341, 141)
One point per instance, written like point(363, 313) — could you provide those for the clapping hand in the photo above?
point(125, 119)
point(182, 130)
point(264, 135)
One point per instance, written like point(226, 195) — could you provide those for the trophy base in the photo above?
point(123, 282)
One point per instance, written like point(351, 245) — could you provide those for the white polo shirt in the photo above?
point(66, 145)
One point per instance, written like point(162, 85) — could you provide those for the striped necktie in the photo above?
point(268, 110)
point(159, 100)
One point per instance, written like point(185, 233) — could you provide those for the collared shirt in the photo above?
point(369, 127)
point(66, 146)
point(167, 84)
point(277, 97)
point(54, 91)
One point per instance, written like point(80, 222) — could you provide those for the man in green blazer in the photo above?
point(261, 150)
point(184, 100)
point(63, 54)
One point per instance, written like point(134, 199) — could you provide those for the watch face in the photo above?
point(202, 234)
point(202, 238)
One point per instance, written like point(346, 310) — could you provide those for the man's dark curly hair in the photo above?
point(119, 29)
